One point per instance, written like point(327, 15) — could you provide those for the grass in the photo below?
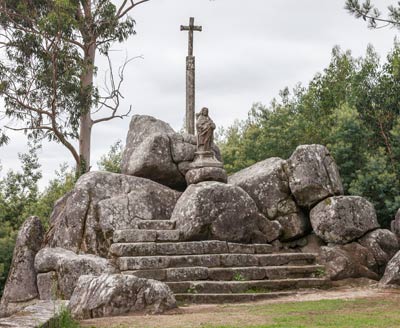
point(355, 313)
point(63, 320)
point(328, 314)
point(192, 290)
point(238, 277)
point(319, 273)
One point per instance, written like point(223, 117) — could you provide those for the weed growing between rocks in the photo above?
point(63, 320)
point(238, 277)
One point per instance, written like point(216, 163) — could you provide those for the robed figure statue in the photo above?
point(205, 165)
point(205, 130)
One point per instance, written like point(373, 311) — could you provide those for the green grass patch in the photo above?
point(319, 273)
point(326, 313)
point(238, 277)
point(375, 312)
point(63, 320)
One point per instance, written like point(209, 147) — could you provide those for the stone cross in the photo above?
point(190, 77)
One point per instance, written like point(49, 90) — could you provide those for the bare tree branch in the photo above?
point(123, 11)
point(113, 92)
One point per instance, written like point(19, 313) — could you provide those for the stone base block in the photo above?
point(48, 286)
point(197, 175)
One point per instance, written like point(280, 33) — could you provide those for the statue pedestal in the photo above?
point(205, 167)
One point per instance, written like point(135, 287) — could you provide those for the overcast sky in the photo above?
point(247, 52)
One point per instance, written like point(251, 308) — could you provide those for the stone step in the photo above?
point(234, 298)
point(139, 235)
point(254, 286)
point(230, 274)
point(156, 224)
point(214, 260)
point(186, 248)
point(38, 314)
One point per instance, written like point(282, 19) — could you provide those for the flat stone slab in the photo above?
point(231, 297)
point(33, 316)
point(214, 260)
point(222, 287)
point(139, 235)
point(186, 248)
point(230, 274)
point(156, 224)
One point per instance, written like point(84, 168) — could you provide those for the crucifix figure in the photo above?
point(190, 77)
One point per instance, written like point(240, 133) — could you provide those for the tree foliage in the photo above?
point(352, 107)
point(20, 198)
point(46, 77)
point(111, 162)
point(369, 13)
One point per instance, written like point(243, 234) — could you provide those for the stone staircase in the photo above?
point(213, 271)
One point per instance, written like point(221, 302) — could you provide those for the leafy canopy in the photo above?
point(352, 107)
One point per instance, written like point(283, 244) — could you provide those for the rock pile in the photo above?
point(297, 205)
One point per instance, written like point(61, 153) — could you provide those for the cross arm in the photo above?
point(191, 28)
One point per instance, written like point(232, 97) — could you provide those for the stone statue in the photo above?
point(205, 166)
point(205, 130)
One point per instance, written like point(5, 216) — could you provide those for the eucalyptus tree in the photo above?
point(48, 65)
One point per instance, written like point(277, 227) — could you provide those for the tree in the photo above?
point(111, 162)
point(46, 79)
point(19, 189)
point(18, 193)
point(372, 15)
point(20, 198)
point(352, 107)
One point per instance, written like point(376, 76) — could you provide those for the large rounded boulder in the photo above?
point(392, 272)
point(395, 224)
point(154, 151)
point(348, 261)
point(342, 219)
point(147, 152)
point(383, 244)
point(313, 175)
point(102, 202)
point(21, 281)
point(267, 184)
point(214, 210)
point(116, 294)
point(59, 270)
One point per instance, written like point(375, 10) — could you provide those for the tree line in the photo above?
point(20, 196)
point(352, 107)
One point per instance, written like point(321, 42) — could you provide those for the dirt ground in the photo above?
point(246, 314)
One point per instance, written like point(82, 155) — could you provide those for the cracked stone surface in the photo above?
point(117, 294)
point(68, 267)
point(383, 244)
point(392, 272)
point(21, 282)
point(214, 210)
point(342, 219)
point(154, 151)
point(348, 261)
point(102, 202)
point(313, 175)
point(267, 184)
point(35, 315)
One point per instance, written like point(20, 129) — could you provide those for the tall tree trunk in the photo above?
point(86, 122)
